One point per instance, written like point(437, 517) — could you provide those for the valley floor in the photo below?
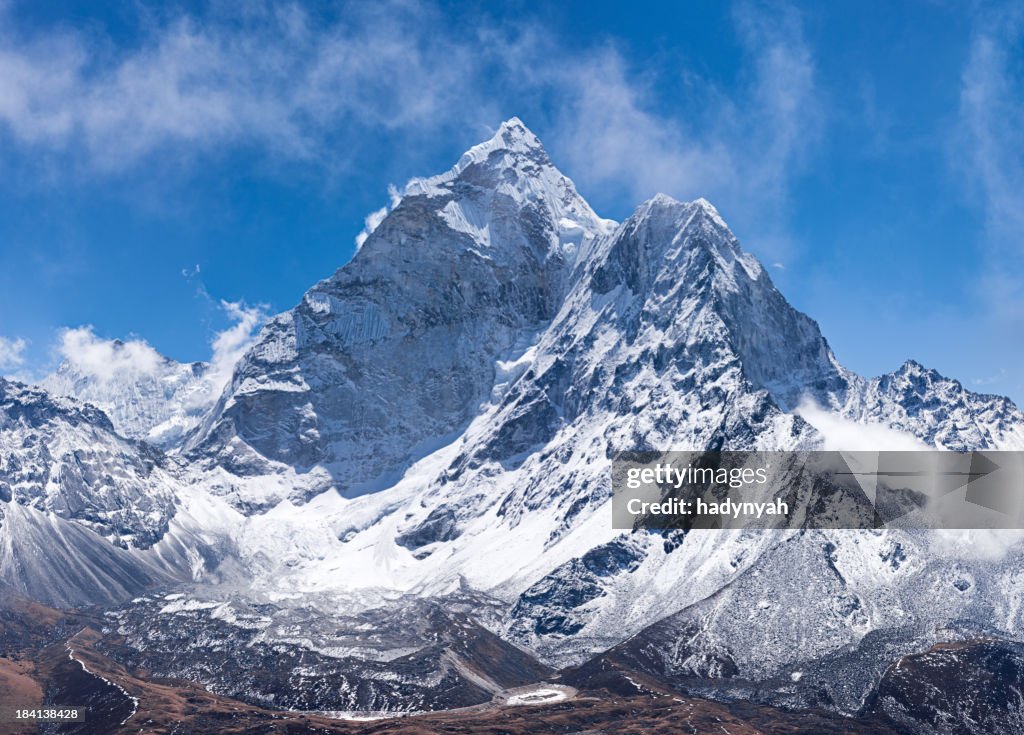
point(50, 656)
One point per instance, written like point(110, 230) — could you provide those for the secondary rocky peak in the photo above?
point(669, 242)
point(913, 367)
point(670, 219)
point(62, 457)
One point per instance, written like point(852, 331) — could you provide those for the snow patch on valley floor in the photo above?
point(535, 694)
point(362, 715)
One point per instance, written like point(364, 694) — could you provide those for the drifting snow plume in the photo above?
point(845, 435)
point(373, 219)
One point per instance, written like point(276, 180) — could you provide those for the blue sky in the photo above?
point(160, 160)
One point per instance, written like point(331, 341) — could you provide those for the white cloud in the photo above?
point(12, 352)
point(107, 360)
point(269, 77)
point(739, 149)
point(992, 141)
point(976, 543)
point(844, 435)
point(229, 345)
point(296, 86)
point(988, 151)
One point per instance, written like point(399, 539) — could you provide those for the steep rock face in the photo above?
point(158, 405)
point(398, 348)
point(687, 279)
point(673, 335)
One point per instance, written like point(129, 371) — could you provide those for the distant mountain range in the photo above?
point(159, 405)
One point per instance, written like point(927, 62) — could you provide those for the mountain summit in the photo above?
point(398, 348)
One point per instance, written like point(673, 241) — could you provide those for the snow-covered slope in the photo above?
point(159, 404)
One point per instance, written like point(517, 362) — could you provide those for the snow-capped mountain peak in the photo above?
point(466, 268)
point(507, 174)
point(512, 136)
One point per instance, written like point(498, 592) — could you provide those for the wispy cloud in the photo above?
point(298, 85)
point(269, 77)
point(229, 345)
point(12, 352)
point(988, 149)
point(845, 435)
point(740, 149)
point(108, 360)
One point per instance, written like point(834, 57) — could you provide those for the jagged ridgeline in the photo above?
point(436, 419)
